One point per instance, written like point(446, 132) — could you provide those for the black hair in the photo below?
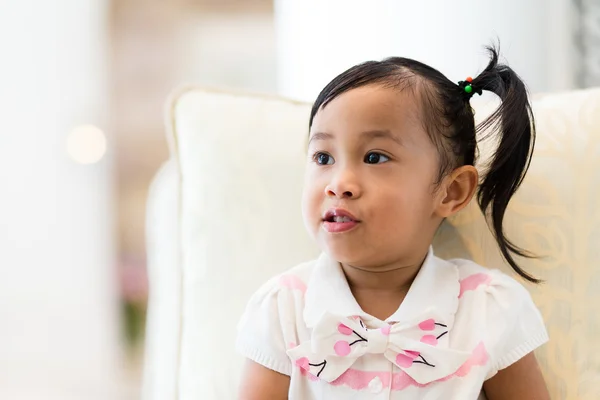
point(448, 119)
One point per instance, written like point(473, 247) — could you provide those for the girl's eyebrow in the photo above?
point(385, 134)
point(320, 136)
point(372, 134)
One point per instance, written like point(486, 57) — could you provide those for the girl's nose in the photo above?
point(344, 186)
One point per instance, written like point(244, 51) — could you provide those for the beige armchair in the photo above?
point(224, 215)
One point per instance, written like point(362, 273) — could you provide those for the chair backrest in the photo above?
point(235, 180)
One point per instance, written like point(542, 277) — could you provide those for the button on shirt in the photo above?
point(458, 325)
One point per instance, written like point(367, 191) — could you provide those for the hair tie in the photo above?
point(468, 88)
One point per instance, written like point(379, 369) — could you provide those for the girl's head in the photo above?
point(392, 149)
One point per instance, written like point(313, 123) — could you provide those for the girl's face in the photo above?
point(369, 197)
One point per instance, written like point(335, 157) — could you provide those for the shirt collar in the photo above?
point(435, 286)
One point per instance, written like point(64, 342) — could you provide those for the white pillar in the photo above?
point(318, 39)
point(58, 309)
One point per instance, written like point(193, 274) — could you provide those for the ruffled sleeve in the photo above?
point(264, 329)
point(515, 325)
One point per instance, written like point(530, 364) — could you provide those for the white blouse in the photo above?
point(458, 325)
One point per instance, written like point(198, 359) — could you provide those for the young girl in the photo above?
point(392, 149)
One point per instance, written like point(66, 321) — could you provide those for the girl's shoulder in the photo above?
point(283, 294)
point(293, 280)
point(271, 322)
point(480, 280)
point(497, 311)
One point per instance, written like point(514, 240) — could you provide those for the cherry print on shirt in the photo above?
point(344, 330)
point(429, 325)
point(342, 348)
point(430, 340)
point(322, 365)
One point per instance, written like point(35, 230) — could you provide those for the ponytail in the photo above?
point(515, 122)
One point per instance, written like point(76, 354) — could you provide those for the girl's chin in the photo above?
point(344, 253)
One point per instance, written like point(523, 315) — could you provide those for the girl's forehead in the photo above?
point(369, 108)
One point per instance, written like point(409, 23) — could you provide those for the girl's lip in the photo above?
point(338, 212)
point(339, 227)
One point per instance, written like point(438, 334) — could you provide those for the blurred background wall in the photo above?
point(58, 297)
point(82, 90)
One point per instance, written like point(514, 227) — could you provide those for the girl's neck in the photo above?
point(379, 292)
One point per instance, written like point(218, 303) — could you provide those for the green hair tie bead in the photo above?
point(468, 89)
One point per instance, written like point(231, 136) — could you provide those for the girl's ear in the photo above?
point(457, 190)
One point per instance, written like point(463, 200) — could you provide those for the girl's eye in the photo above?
point(323, 159)
point(376, 158)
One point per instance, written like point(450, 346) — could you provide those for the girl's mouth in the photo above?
point(337, 220)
